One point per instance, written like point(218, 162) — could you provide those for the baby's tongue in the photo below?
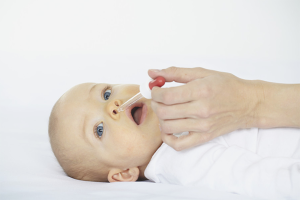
point(137, 115)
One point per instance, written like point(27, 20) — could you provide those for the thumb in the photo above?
point(180, 75)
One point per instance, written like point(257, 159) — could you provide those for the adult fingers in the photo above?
point(191, 109)
point(182, 125)
point(195, 138)
point(180, 75)
point(193, 90)
point(186, 141)
point(173, 95)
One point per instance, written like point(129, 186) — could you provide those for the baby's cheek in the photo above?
point(126, 146)
point(129, 149)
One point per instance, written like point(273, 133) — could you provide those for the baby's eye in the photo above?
point(100, 129)
point(107, 94)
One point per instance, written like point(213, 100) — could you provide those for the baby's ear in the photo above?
point(128, 175)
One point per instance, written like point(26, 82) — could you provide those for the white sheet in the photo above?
point(28, 168)
point(29, 171)
point(260, 163)
point(46, 47)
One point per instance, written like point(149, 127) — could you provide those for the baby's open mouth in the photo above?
point(137, 113)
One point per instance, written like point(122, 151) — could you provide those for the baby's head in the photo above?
point(93, 141)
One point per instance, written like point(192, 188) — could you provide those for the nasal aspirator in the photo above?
point(145, 91)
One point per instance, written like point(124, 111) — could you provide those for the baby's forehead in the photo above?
point(79, 90)
point(76, 102)
point(84, 89)
point(70, 108)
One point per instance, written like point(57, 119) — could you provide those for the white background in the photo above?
point(46, 47)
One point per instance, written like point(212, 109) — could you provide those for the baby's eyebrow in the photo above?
point(92, 88)
point(84, 125)
point(84, 131)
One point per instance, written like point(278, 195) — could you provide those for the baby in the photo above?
point(92, 141)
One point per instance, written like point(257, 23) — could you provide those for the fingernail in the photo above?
point(155, 70)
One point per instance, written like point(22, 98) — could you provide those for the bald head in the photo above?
point(92, 141)
point(65, 133)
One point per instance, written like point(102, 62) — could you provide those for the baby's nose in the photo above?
point(117, 104)
point(114, 108)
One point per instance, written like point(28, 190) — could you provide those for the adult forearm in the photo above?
point(278, 106)
point(213, 103)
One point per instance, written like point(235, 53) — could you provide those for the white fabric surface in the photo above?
point(29, 89)
point(29, 170)
point(47, 47)
point(255, 162)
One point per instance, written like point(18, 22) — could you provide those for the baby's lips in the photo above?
point(128, 112)
point(144, 111)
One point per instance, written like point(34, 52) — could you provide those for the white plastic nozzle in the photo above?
point(145, 90)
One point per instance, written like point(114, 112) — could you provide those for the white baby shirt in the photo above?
point(263, 163)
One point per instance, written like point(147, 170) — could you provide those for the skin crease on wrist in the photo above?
point(213, 103)
point(279, 105)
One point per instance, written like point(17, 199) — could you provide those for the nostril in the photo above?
point(115, 112)
point(116, 103)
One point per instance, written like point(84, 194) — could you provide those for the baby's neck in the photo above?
point(143, 168)
point(142, 171)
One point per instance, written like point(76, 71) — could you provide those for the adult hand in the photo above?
point(210, 104)
point(214, 103)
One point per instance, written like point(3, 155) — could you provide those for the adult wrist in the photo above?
point(277, 105)
point(255, 98)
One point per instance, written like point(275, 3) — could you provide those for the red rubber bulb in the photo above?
point(159, 81)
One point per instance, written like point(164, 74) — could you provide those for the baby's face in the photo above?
point(92, 125)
